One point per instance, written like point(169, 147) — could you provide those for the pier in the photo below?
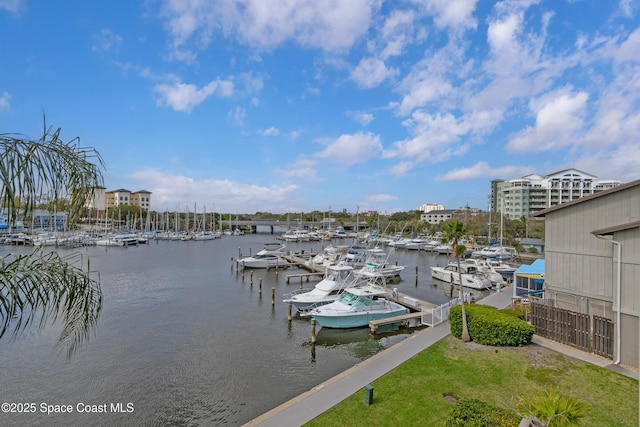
point(411, 319)
point(415, 305)
point(314, 270)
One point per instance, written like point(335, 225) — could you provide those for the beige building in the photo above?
point(592, 254)
point(103, 200)
point(98, 200)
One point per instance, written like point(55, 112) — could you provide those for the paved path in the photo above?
point(309, 405)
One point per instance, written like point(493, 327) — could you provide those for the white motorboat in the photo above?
point(336, 280)
point(297, 235)
point(471, 276)
point(415, 244)
point(375, 267)
point(272, 255)
point(330, 255)
point(486, 268)
point(356, 307)
point(494, 252)
point(121, 239)
point(506, 270)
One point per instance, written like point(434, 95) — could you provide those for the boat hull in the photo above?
point(328, 319)
point(468, 280)
point(263, 263)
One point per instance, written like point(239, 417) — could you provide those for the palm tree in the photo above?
point(550, 409)
point(453, 231)
point(42, 287)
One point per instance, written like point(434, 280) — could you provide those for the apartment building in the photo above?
point(524, 196)
point(103, 200)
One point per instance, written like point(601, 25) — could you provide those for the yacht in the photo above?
point(471, 276)
point(356, 307)
point(272, 255)
point(336, 280)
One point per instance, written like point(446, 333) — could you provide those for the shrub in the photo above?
point(489, 326)
point(476, 413)
point(518, 312)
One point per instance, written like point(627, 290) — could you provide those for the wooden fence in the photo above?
point(593, 334)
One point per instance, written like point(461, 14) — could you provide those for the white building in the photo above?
point(428, 207)
point(524, 196)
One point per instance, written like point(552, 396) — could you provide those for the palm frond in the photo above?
point(46, 169)
point(37, 288)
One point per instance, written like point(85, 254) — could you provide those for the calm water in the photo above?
point(184, 339)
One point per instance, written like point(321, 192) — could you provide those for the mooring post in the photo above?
point(289, 316)
point(313, 331)
point(251, 278)
point(260, 287)
point(416, 276)
point(273, 296)
point(301, 281)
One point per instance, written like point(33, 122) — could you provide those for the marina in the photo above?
point(188, 337)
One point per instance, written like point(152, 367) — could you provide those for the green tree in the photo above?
point(453, 231)
point(41, 287)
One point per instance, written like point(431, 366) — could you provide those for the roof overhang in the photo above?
point(609, 231)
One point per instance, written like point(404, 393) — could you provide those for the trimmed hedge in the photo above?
point(490, 326)
point(476, 413)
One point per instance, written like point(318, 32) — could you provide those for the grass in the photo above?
point(422, 391)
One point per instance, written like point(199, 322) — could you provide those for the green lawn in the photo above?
point(419, 391)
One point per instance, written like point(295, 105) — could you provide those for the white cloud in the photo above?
point(329, 25)
point(168, 190)
point(353, 148)
point(628, 50)
point(397, 32)
point(455, 14)
point(272, 131)
point(422, 90)
point(621, 161)
point(363, 118)
point(381, 198)
point(370, 72)
point(483, 170)
point(106, 41)
point(301, 168)
point(184, 97)
point(238, 115)
point(13, 6)
point(433, 137)
point(401, 168)
point(5, 101)
point(559, 121)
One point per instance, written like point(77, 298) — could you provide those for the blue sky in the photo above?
point(301, 105)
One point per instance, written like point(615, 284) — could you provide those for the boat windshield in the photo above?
point(354, 300)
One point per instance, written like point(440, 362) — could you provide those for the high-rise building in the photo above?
point(523, 196)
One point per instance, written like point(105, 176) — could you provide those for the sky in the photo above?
point(326, 105)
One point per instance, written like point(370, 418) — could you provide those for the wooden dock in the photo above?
point(413, 318)
point(313, 270)
point(404, 320)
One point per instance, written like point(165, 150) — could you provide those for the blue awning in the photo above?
point(534, 270)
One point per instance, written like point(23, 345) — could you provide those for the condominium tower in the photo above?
point(521, 197)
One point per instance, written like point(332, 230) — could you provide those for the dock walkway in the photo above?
point(309, 405)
